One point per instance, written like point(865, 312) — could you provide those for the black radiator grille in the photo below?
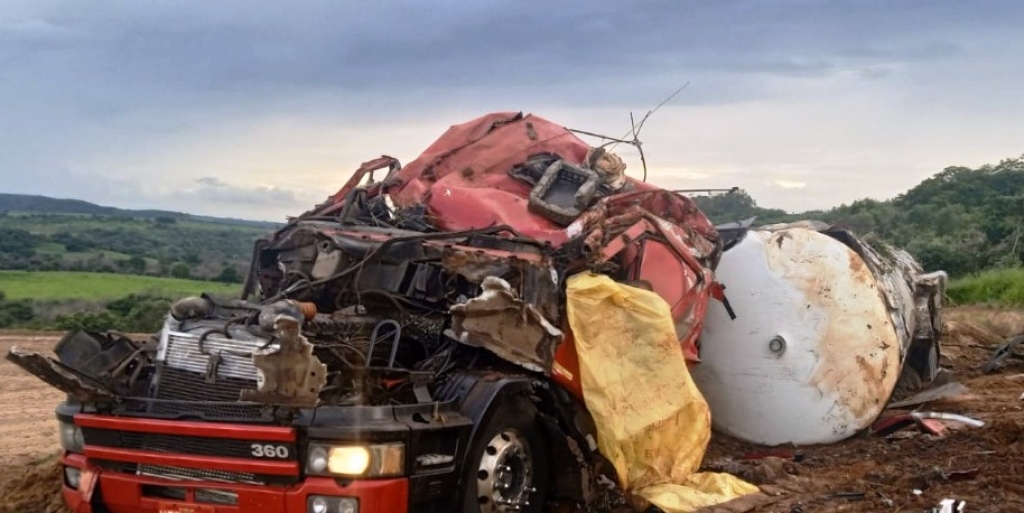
point(182, 385)
point(198, 474)
point(195, 445)
point(193, 474)
point(212, 411)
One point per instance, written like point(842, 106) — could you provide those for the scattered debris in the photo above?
point(920, 415)
point(892, 424)
point(928, 422)
point(961, 475)
point(1006, 350)
point(950, 506)
point(850, 496)
point(945, 391)
point(886, 501)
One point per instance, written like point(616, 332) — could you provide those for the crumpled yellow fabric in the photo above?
point(652, 422)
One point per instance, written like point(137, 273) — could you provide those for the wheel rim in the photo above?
point(505, 475)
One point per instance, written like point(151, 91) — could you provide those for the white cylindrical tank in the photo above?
point(812, 356)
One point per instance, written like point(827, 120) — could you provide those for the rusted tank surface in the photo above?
point(814, 353)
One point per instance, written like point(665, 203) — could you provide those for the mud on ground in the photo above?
point(984, 466)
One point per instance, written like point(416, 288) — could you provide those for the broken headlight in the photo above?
point(377, 460)
point(71, 438)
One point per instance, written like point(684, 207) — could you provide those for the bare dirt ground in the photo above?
point(29, 474)
point(27, 425)
point(907, 472)
point(983, 467)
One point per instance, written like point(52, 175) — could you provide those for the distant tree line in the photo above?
point(132, 313)
point(15, 313)
point(961, 220)
point(96, 243)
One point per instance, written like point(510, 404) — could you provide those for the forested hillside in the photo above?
point(45, 234)
point(961, 220)
point(29, 204)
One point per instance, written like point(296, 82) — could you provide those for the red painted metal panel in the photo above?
point(188, 428)
point(274, 468)
point(123, 493)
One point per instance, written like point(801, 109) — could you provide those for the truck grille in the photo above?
point(182, 352)
point(190, 474)
point(158, 442)
point(191, 450)
point(217, 372)
point(198, 474)
point(206, 410)
point(183, 385)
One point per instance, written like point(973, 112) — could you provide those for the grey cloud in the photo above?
point(81, 83)
point(211, 181)
point(258, 49)
point(214, 190)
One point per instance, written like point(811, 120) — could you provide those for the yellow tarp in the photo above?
point(652, 422)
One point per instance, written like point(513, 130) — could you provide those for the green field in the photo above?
point(59, 285)
point(1004, 287)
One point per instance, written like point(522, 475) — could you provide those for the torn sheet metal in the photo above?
point(942, 392)
point(501, 322)
point(60, 376)
point(813, 355)
point(662, 240)
point(1005, 350)
point(287, 373)
point(463, 177)
point(477, 265)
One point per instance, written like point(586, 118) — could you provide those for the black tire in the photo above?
point(511, 423)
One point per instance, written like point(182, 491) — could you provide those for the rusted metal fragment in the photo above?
point(475, 266)
point(498, 320)
point(288, 373)
point(60, 376)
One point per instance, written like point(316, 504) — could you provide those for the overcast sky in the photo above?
point(260, 109)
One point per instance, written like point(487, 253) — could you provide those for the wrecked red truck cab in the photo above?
point(401, 347)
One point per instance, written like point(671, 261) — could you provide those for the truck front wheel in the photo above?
point(507, 469)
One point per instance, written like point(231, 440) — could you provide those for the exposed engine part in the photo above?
point(499, 321)
point(288, 373)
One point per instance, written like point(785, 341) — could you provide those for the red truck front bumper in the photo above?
point(125, 493)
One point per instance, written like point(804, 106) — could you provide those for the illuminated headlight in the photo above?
point(71, 438)
point(323, 504)
point(378, 460)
